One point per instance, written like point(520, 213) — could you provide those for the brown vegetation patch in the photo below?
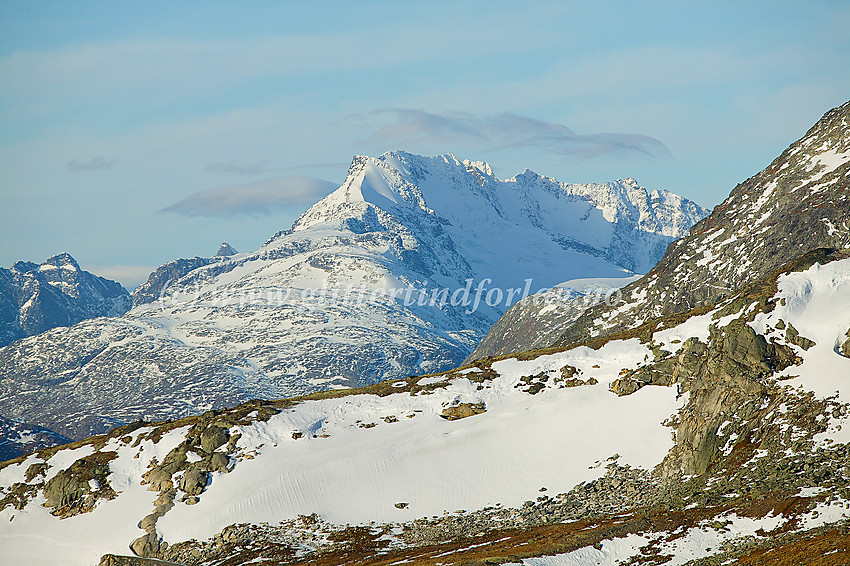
point(829, 548)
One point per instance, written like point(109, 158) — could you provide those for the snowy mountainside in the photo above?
point(400, 271)
point(37, 297)
point(541, 459)
point(799, 202)
point(538, 320)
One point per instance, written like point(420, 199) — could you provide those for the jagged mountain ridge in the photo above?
point(37, 297)
point(799, 202)
point(212, 332)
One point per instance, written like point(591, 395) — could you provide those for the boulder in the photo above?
point(462, 410)
point(194, 481)
point(146, 546)
point(158, 479)
point(625, 386)
point(71, 491)
point(218, 462)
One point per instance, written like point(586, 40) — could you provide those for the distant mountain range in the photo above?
point(400, 271)
point(37, 297)
point(799, 202)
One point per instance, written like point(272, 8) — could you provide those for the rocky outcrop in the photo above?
point(727, 378)
point(793, 337)
point(78, 488)
point(538, 320)
point(115, 560)
point(844, 348)
point(535, 322)
point(147, 545)
point(166, 275)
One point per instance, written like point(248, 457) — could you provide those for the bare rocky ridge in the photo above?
point(538, 320)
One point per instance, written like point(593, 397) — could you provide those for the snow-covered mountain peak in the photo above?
point(226, 250)
point(466, 200)
point(58, 292)
point(63, 260)
point(399, 271)
point(481, 167)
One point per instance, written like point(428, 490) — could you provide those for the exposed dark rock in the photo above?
point(625, 386)
point(194, 481)
point(722, 377)
point(78, 488)
point(166, 275)
point(793, 336)
point(844, 348)
point(214, 437)
point(115, 560)
point(218, 462)
point(146, 546)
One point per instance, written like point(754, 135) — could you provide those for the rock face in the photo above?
point(163, 276)
point(77, 489)
point(378, 280)
point(799, 202)
point(35, 298)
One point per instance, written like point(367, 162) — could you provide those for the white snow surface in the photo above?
point(817, 304)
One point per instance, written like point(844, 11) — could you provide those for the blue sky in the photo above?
point(133, 133)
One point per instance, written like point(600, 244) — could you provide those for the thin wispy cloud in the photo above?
point(405, 127)
point(240, 167)
point(253, 199)
point(93, 164)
